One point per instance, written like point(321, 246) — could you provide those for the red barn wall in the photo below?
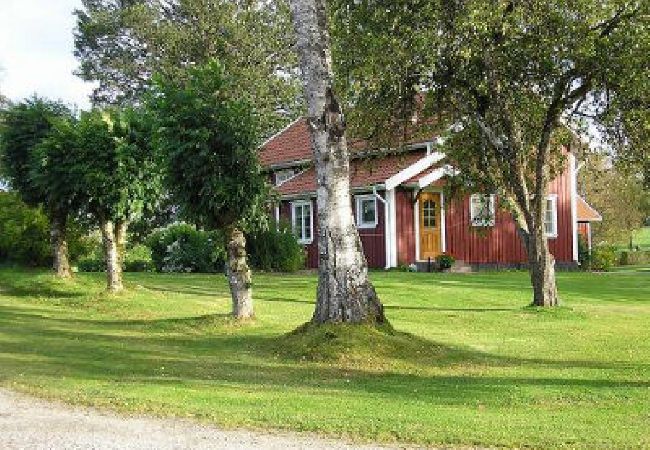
point(372, 239)
point(501, 244)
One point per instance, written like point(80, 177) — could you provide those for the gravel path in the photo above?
point(28, 423)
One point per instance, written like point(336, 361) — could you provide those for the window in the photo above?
point(366, 211)
point(302, 221)
point(481, 209)
point(429, 214)
point(283, 175)
point(550, 217)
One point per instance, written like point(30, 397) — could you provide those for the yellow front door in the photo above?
point(429, 225)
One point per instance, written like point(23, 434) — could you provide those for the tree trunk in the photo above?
point(113, 236)
point(345, 293)
point(542, 268)
point(239, 276)
point(61, 264)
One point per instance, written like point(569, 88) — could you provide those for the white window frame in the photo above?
point(284, 175)
point(302, 204)
point(553, 199)
point(359, 199)
point(482, 222)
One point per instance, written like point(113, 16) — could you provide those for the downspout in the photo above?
point(575, 168)
point(387, 235)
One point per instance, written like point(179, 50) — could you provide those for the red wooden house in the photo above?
point(401, 211)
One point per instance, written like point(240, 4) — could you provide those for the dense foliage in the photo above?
point(603, 257)
point(106, 160)
point(275, 249)
point(23, 126)
point(25, 234)
point(208, 136)
point(136, 259)
point(183, 248)
point(120, 44)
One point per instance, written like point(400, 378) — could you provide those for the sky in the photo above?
point(36, 51)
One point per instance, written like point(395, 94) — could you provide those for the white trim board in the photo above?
point(413, 170)
point(431, 177)
point(573, 181)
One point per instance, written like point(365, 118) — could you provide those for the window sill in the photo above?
point(367, 226)
point(305, 242)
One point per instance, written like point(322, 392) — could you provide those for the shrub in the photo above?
point(91, 264)
point(275, 250)
point(444, 261)
point(584, 256)
point(603, 257)
point(183, 248)
point(24, 233)
point(635, 257)
point(138, 259)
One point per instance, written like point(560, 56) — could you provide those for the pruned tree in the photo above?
point(24, 126)
point(345, 293)
point(513, 81)
point(120, 44)
point(209, 136)
point(105, 164)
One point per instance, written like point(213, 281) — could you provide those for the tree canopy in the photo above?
point(24, 125)
point(121, 44)
point(209, 138)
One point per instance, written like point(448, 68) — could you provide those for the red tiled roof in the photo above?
point(293, 144)
point(363, 172)
point(586, 213)
point(289, 145)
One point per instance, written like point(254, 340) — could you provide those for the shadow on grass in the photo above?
point(37, 288)
point(122, 351)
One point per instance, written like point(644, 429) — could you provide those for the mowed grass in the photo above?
point(465, 362)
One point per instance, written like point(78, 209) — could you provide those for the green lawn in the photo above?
point(640, 238)
point(477, 368)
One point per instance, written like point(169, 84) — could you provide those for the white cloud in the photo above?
point(36, 51)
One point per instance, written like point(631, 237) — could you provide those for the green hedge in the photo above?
point(25, 234)
point(275, 250)
point(136, 259)
point(635, 257)
point(183, 248)
point(603, 257)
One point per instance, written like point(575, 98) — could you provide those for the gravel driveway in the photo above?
point(28, 423)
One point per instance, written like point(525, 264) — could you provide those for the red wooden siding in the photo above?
point(404, 213)
point(501, 244)
point(372, 239)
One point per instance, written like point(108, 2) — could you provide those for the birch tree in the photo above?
point(208, 137)
point(104, 163)
point(24, 126)
point(345, 293)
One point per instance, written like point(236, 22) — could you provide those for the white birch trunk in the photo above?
point(345, 293)
point(113, 237)
point(61, 263)
point(239, 276)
